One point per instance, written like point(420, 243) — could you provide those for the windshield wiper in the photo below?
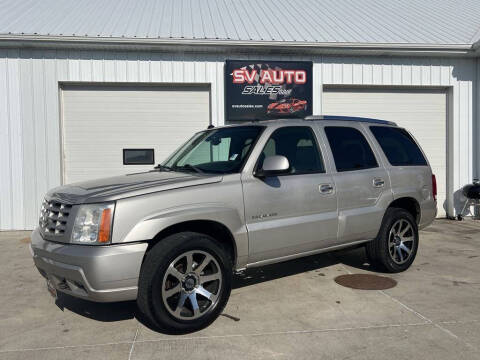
point(189, 167)
point(163, 168)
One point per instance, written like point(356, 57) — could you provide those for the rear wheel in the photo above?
point(185, 282)
point(395, 247)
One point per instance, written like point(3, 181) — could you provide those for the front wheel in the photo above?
point(395, 247)
point(185, 282)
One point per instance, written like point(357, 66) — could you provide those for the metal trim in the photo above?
point(86, 40)
point(349, 118)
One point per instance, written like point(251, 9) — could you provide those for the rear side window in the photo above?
point(398, 146)
point(350, 149)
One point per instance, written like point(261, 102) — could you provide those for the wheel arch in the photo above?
point(409, 204)
point(220, 232)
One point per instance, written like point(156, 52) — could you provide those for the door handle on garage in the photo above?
point(325, 188)
point(378, 182)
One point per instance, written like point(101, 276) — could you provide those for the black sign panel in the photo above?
point(258, 90)
point(138, 157)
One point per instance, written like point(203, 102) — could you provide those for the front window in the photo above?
point(221, 151)
point(298, 145)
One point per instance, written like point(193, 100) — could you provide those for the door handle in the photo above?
point(325, 188)
point(378, 182)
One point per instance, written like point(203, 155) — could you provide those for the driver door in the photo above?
point(294, 212)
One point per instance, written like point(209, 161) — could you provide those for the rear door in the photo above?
point(295, 212)
point(362, 183)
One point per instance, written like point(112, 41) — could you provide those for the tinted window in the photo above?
point(350, 149)
point(298, 145)
point(138, 157)
point(398, 146)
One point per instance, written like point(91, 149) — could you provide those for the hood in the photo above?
point(118, 187)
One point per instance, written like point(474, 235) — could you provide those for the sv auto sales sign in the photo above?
point(257, 90)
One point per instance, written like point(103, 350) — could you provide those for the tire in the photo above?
point(370, 253)
point(165, 282)
point(396, 244)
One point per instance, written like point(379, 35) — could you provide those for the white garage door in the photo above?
point(422, 112)
point(100, 121)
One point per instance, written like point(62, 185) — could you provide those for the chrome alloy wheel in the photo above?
point(401, 241)
point(191, 285)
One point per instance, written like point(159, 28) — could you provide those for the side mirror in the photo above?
point(274, 165)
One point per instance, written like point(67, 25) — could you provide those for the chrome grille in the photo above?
point(53, 217)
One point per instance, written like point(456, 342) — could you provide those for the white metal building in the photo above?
point(75, 74)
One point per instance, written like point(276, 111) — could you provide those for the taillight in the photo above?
point(434, 187)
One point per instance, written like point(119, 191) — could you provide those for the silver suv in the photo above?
point(232, 198)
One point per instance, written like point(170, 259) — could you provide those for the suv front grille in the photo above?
point(53, 217)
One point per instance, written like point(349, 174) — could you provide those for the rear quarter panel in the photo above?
point(415, 182)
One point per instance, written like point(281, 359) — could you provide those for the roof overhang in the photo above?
point(236, 46)
point(476, 48)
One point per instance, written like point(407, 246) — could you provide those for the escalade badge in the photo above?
point(263, 216)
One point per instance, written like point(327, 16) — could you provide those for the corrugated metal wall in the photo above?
point(30, 116)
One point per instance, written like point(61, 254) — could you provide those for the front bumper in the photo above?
point(97, 273)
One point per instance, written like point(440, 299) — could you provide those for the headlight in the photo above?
point(93, 224)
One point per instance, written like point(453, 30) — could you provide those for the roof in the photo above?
point(435, 22)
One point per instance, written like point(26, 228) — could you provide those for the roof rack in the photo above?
point(349, 118)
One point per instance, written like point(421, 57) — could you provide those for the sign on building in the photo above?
point(258, 90)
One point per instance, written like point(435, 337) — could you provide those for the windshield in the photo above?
point(222, 151)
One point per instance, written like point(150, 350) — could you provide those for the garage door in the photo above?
point(99, 122)
point(422, 112)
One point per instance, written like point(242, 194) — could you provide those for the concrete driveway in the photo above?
point(293, 310)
